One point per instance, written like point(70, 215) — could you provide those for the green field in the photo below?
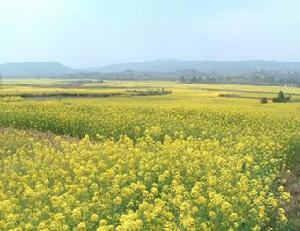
point(125, 155)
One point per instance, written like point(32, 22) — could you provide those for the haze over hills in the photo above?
point(169, 65)
point(34, 69)
point(173, 65)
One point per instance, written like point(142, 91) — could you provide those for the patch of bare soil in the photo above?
point(293, 186)
point(293, 209)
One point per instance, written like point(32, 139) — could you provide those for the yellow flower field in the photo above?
point(142, 167)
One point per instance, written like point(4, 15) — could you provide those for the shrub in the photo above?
point(264, 100)
point(281, 98)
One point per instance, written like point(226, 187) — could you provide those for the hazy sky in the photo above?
point(87, 33)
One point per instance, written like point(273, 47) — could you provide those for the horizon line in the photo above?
point(153, 60)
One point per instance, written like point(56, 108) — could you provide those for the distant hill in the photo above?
point(34, 69)
point(170, 65)
point(49, 69)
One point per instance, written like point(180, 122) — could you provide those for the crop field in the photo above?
point(126, 155)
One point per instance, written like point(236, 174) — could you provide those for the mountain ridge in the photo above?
point(167, 65)
point(34, 69)
point(205, 66)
